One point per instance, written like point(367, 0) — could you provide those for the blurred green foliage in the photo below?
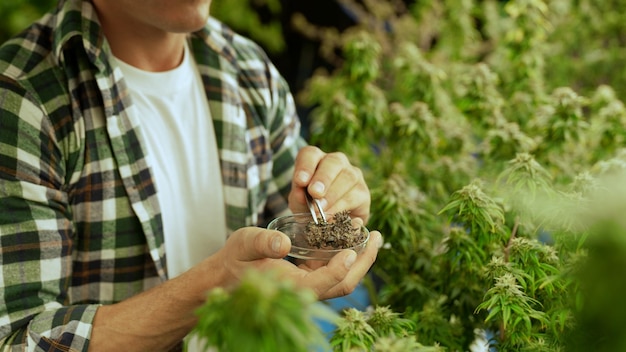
point(498, 116)
point(257, 19)
point(18, 14)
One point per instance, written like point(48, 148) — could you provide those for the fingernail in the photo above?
point(380, 242)
point(303, 176)
point(276, 243)
point(350, 259)
point(318, 187)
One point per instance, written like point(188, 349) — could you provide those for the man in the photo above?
point(108, 167)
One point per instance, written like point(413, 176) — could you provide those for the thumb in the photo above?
point(258, 243)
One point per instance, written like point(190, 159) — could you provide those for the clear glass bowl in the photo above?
point(294, 226)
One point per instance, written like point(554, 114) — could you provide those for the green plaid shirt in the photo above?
point(80, 224)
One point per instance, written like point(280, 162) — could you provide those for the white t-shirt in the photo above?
point(182, 151)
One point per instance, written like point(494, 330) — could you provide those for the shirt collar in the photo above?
point(78, 19)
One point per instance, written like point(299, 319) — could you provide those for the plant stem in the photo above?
point(506, 260)
point(508, 245)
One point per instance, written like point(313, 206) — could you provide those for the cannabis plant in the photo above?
point(379, 329)
point(484, 167)
point(263, 314)
point(492, 142)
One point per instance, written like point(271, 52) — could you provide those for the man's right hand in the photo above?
point(265, 249)
point(157, 319)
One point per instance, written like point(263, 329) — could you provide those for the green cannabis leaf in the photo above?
point(264, 313)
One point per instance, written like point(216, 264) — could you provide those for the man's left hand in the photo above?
point(330, 178)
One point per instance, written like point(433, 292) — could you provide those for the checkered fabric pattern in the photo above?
point(80, 224)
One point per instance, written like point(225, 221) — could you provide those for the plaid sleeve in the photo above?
point(285, 138)
point(271, 97)
point(36, 233)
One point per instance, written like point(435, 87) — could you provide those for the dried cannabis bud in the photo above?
point(337, 234)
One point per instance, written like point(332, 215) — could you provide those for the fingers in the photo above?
point(306, 164)
point(344, 271)
point(332, 179)
point(356, 199)
point(258, 243)
point(317, 171)
point(333, 169)
point(264, 249)
point(325, 278)
point(250, 247)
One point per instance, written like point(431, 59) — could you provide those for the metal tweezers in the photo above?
point(310, 202)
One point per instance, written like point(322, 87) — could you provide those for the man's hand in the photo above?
point(332, 179)
point(167, 311)
point(265, 249)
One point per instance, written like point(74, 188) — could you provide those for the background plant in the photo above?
point(18, 14)
point(262, 314)
point(455, 111)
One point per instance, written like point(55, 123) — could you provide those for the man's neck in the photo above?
point(144, 47)
point(161, 54)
